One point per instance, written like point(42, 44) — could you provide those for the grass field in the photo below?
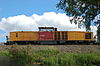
point(46, 56)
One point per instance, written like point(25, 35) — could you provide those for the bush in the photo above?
point(87, 59)
point(27, 56)
point(4, 53)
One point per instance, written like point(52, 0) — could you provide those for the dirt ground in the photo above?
point(62, 48)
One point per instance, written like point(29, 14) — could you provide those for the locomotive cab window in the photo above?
point(88, 36)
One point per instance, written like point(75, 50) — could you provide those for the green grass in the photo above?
point(28, 56)
point(4, 53)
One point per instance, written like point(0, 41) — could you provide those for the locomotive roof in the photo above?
point(46, 27)
point(54, 31)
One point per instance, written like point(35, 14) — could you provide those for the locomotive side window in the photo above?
point(16, 34)
point(88, 36)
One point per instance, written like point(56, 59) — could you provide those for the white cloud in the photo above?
point(94, 29)
point(23, 22)
point(31, 23)
point(3, 35)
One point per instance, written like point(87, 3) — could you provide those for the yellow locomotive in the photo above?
point(50, 35)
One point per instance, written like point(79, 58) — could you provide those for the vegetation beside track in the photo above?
point(47, 56)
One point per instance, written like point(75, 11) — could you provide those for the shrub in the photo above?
point(27, 56)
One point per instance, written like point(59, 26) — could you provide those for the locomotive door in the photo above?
point(56, 35)
point(64, 36)
point(60, 35)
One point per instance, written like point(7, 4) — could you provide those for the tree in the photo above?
point(98, 31)
point(82, 11)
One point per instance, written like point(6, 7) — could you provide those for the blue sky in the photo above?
point(27, 7)
point(10, 8)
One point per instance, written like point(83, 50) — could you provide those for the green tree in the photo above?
point(82, 11)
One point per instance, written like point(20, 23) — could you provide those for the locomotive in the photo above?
point(50, 35)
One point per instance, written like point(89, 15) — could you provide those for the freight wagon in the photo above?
point(50, 35)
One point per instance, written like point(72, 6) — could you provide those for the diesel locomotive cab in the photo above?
point(46, 35)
